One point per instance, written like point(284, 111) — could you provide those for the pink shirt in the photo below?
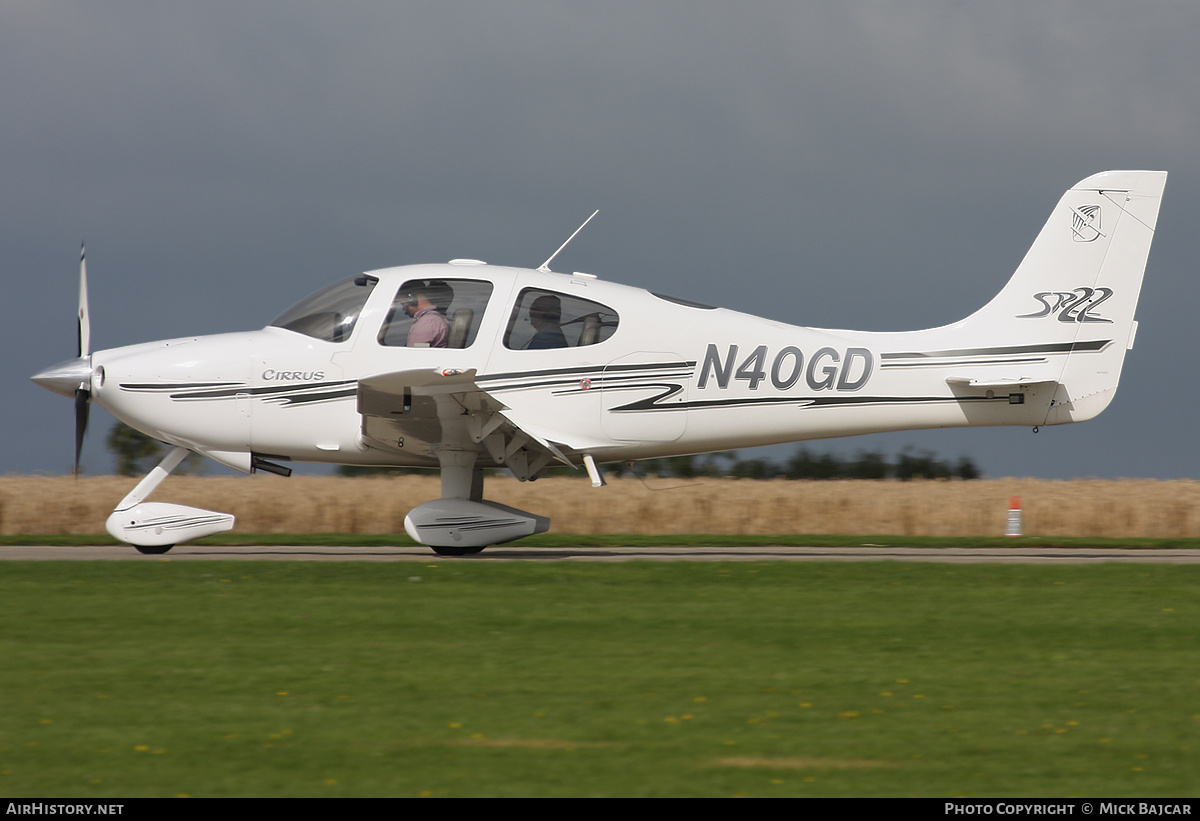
point(429, 330)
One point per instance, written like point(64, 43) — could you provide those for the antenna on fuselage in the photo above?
point(545, 266)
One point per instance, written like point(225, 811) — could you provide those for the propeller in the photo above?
point(83, 399)
point(83, 394)
point(73, 378)
point(84, 327)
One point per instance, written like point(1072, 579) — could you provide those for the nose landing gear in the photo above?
point(155, 527)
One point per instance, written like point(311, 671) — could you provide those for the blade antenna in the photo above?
point(545, 266)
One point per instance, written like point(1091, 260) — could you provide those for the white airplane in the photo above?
point(467, 366)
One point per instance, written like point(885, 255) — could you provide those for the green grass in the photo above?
point(459, 678)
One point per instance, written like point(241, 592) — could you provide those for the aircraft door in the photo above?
point(644, 397)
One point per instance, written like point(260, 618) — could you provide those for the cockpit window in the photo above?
point(436, 313)
point(330, 313)
point(545, 319)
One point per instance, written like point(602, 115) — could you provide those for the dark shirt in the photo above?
point(551, 336)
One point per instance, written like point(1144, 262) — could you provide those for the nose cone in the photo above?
point(66, 377)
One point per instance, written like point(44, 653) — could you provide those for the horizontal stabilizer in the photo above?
point(1003, 383)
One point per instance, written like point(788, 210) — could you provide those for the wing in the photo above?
point(416, 412)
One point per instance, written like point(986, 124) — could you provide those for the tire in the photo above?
point(156, 550)
point(456, 551)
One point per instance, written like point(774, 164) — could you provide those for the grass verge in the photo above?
point(630, 679)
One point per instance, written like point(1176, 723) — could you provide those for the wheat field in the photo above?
point(304, 504)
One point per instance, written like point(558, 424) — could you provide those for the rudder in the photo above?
point(1076, 290)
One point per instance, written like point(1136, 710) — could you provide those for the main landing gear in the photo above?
point(462, 522)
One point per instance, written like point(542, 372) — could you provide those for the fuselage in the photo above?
point(634, 375)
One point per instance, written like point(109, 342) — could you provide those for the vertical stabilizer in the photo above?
point(1077, 290)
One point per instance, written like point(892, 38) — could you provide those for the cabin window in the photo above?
point(330, 313)
point(542, 320)
point(436, 313)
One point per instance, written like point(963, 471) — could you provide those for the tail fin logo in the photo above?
point(1071, 306)
point(1085, 223)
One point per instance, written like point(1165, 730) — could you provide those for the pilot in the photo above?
point(545, 314)
point(430, 329)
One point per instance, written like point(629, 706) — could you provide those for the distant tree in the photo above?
point(868, 465)
point(754, 469)
point(803, 464)
point(875, 465)
point(923, 465)
point(372, 470)
point(684, 467)
point(720, 463)
point(806, 465)
point(136, 453)
point(966, 469)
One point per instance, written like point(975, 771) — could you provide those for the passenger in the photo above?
point(430, 329)
point(440, 294)
point(545, 314)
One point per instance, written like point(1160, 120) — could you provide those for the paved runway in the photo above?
point(1017, 555)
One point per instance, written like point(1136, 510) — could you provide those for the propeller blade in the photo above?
point(82, 399)
point(85, 321)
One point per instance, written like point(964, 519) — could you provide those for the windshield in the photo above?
point(330, 313)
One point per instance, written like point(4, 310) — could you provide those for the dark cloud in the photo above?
point(851, 165)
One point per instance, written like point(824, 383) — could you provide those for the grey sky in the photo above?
point(881, 166)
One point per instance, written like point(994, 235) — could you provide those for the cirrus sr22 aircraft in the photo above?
point(467, 366)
